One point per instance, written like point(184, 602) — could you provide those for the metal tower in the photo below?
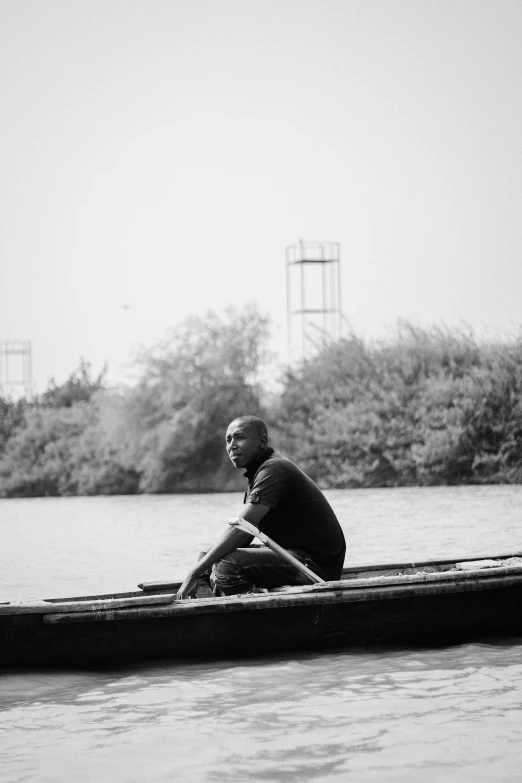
point(313, 292)
point(16, 368)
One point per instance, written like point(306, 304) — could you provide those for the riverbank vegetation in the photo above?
point(427, 406)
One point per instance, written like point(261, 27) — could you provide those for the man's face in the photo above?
point(243, 444)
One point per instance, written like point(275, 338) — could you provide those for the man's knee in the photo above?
point(226, 568)
point(227, 576)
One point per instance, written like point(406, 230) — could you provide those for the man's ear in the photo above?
point(264, 441)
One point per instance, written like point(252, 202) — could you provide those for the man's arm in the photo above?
point(231, 539)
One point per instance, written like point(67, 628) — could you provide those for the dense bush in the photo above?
point(429, 406)
point(425, 407)
point(165, 434)
point(12, 416)
point(67, 442)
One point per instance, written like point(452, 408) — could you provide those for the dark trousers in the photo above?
point(245, 569)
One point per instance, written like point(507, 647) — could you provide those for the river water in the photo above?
point(379, 715)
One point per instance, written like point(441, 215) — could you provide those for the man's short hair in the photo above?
point(256, 423)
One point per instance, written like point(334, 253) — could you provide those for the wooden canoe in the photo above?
point(438, 601)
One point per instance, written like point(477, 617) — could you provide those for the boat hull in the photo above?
point(437, 609)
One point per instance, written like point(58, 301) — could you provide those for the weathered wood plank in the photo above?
point(303, 597)
point(350, 572)
point(410, 579)
point(44, 607)
point(161, 585)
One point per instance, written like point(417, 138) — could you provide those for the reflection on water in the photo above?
point(445, 714)
point(450, 713)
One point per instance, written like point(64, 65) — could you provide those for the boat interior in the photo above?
point(163, 592)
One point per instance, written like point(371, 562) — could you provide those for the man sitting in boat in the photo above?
point(282, 502)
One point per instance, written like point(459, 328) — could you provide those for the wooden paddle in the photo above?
point(246, 527)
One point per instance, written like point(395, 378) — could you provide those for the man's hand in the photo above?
point(232, 538)
point(188, 587)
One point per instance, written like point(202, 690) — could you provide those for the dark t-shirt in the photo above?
point(300, 517)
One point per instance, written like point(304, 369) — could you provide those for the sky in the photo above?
point(157, 156)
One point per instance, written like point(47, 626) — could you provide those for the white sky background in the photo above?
point(162, 153)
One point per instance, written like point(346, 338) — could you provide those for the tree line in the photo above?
point(426, 406)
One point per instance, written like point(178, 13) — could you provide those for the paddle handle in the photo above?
point(246, 527)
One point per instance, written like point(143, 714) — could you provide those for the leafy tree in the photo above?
point(433, 406)
point(103, 457)
point(191, 385)
point(79, 387)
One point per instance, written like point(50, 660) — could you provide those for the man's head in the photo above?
point(246, 440)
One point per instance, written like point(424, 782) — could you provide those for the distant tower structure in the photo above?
point(313, 295)
point(16, 368)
